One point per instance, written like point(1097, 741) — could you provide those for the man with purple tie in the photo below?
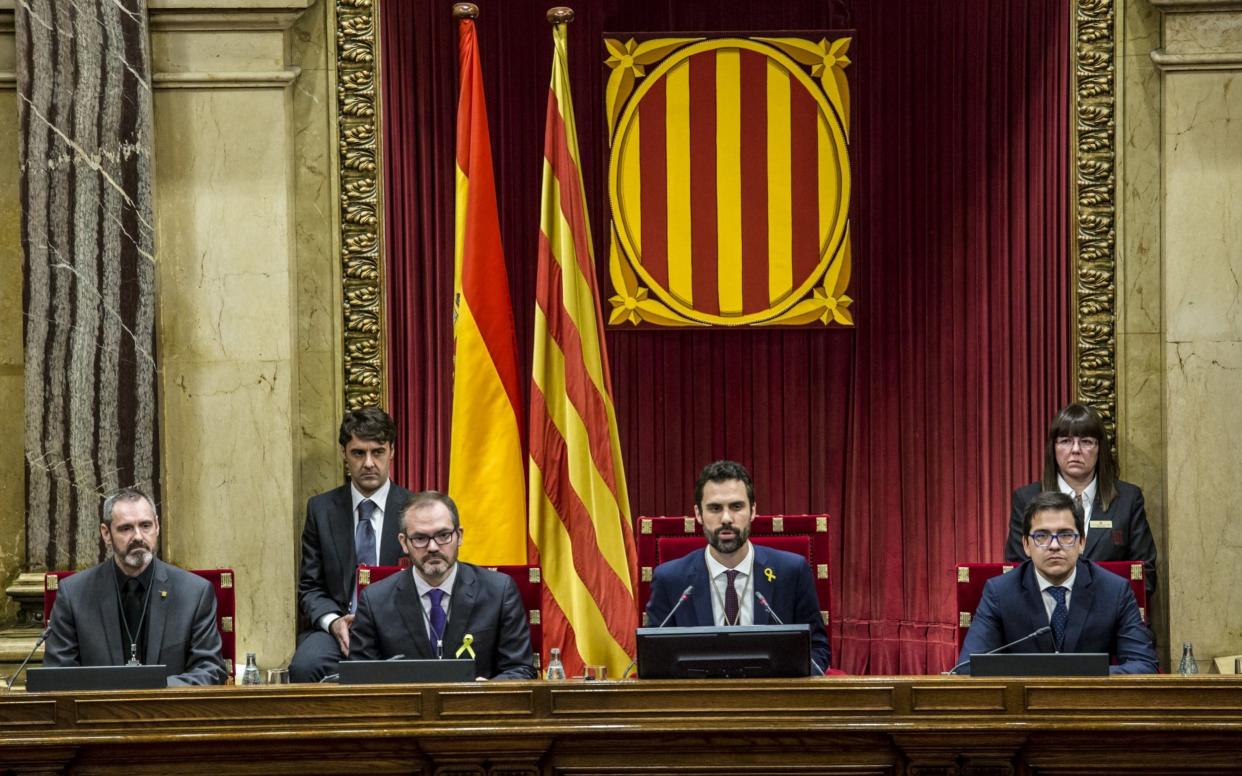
point(441, 608)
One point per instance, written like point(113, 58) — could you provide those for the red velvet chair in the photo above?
point(662, 539)
point(226, 606)
point(972, 576)
point(529, 583)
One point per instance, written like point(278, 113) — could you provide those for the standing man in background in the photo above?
point(355, 524)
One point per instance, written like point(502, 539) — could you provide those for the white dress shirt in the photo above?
point(744, 584)
point(1050, 603)
point(424, 597)
point(1088, 500)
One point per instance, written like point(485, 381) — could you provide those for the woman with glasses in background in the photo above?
point(1078, 461)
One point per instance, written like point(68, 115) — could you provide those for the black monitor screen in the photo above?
point(745, 651)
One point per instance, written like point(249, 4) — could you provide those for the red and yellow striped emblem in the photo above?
point(729, 181)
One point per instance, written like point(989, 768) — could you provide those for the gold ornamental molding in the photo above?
point(1093, 207)
point(1093, 166)
point(362, 256)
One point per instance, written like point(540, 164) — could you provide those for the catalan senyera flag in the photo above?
point(579, 511)
point(486, 476)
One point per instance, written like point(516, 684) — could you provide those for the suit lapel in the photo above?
point(461, 606)
point(763, 585)
point(389, 547)
point(107, 601)
point(157, 611)
point(1097, 536)
point(1036, 612)
point(342, 527)
point(702, 595)
point(410, 608)
point(1080, 606)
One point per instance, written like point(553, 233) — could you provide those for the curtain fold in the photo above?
point(910, 429)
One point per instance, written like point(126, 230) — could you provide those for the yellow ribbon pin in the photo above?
point(466, 641)
point(770, 574)
point(163, 594)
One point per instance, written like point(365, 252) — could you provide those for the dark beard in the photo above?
point(728, 546)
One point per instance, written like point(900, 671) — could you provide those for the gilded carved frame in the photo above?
point(1092, 204)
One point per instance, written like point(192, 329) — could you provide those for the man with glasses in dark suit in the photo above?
point(442, 608)
point(1087, 608)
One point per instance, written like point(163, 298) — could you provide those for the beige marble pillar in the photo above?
point(1200, 61)
point(246, 276)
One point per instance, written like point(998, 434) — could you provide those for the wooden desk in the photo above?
point(915, 725)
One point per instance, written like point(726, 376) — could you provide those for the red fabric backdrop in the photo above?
point(911, 429)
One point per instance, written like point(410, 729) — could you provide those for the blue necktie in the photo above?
point(1060, 617)
point(364, 533)
point(436, 616)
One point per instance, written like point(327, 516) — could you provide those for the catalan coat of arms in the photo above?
point(729, 181)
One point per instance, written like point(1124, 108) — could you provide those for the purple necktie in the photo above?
point(731, 606)
point(436, 616)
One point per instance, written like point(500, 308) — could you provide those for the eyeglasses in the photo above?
point(1044, 538)
point(441, 538)
point(1085, 443)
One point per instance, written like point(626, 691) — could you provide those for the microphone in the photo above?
point(8, 687)
point(764, 602)
point(685, 596)
point(1031, 635)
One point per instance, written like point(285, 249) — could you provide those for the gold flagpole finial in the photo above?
point(560, 15)
point(465, 11)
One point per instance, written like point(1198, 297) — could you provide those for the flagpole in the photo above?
point(465, 11)
point(560, 15)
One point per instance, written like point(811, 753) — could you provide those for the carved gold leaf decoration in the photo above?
point(628, 62)
point(632, 304)
point(828, 303)
point(827, 61)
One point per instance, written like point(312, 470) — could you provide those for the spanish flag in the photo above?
point(579, 510)
point(485, 465)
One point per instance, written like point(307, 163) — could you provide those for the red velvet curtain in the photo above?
point(910, 429)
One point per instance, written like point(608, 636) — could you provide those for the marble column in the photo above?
point(84, 112)
point(1201, 211)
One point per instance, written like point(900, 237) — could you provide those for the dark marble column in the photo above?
point(84, 97)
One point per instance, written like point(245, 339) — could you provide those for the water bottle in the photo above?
point(556, 669)
point(251, 674)
point(1188, 665)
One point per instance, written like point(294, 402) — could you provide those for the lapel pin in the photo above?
point(163, 594)
point(770, 574)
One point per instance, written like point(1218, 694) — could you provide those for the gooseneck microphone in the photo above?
point(764, 603)
point(1001, 648)
point(42, 638)
point(685, 595)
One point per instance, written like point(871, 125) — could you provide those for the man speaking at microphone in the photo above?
point(733, 581)
point(1087, 608)
point(135, 608)
point(442, 608)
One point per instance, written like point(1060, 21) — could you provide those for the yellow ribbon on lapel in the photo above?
point(466, 641)
point(770, 574)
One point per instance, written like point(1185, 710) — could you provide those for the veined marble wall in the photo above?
point(1201, 209)
point(12, 427)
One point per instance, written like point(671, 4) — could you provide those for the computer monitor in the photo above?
point(405, 671)
point(78, 678)
point(1040, 664)
point(745, 651)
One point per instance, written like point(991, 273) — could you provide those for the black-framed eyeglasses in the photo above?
point(440, 537)
point(1044, 538)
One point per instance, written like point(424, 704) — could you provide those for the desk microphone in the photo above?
point(685, 596)
point(42, 638)
point(764, 603)
point(1031, 635)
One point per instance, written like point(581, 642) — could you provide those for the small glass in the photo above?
point(278, 676)
point(595, 673)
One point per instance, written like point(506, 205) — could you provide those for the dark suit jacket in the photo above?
point(485, 604)
point(790, 593)
point(329, 560)
point(1128, 539)
point(181, 634)
point(1103, 617)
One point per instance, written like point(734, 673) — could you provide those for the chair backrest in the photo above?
point(226, 606)
point(529, 584)
point(972, 576)
point(661, 539)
